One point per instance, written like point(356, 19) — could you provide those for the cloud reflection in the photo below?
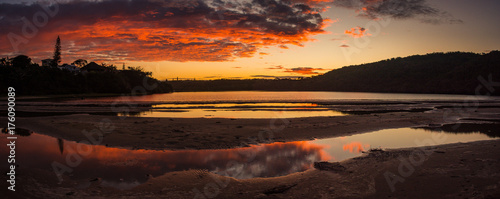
point(118, 166)
point(355, 147)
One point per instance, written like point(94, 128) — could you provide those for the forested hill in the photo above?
point(446, 73)
point(455, 73)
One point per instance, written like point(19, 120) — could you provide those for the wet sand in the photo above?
point(184, 133)
point(218, 133)
point(450, 171)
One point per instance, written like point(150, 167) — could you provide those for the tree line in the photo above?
point(32, 79)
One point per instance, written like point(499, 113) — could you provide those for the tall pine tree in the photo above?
point(57, 53)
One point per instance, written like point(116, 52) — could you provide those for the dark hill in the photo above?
point(455, 73)
point(446, 73)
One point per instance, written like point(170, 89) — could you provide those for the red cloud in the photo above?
point(176, 30)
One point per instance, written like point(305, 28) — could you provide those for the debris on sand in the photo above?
point(376, 150)
point(279, 189)
point(329, 166)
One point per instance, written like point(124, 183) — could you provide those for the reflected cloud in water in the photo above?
point(125, 168)
point(237, 110)
point(355, 147)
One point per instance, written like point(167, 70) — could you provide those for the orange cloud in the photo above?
point(357, 32)
point(164, 31)
point(276, 67)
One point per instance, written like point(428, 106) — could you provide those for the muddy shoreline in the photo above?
point(450, 171)
point(461, 170)
point(220, 133)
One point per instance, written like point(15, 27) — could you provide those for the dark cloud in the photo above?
point(298, 70)
point(279, 67)
point(212, 77)
point(344, 46)
point(154, 30)
point(264, 76)
point(305, 70)
point(398, 9)
point(283, 46)
point(275, 77)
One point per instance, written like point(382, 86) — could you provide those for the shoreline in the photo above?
point(213, 133)
point(449, 171)
point(456, 170)
point(220, 133)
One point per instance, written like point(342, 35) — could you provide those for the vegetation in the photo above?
point(56, 60)
point(31, 79)
point(446, 73)
point(451, 73)
point(80, 63)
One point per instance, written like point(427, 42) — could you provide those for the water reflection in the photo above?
point(263, 96)
point(342, 148)
point(490, 129)
point(18, 131)
point(234, 113)
point(355, 147)
point(60, 143)
point(236, 105)
point(125, 168)
point(238, 110)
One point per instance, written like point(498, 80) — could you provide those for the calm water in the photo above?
point(240, 110)
point(125, 168)
point(265, 96)
point(255, 104)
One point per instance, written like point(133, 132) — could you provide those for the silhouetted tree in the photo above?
point(21, 61)
point(80, 62)
point(57, 53)
point(30, 79)
point(5, 61)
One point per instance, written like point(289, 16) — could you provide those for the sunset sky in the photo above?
point(210, 39)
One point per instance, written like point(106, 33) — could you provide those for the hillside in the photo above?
point(446, 73)
point(455, 72)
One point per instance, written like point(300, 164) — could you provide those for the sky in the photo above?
point(212, 39)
